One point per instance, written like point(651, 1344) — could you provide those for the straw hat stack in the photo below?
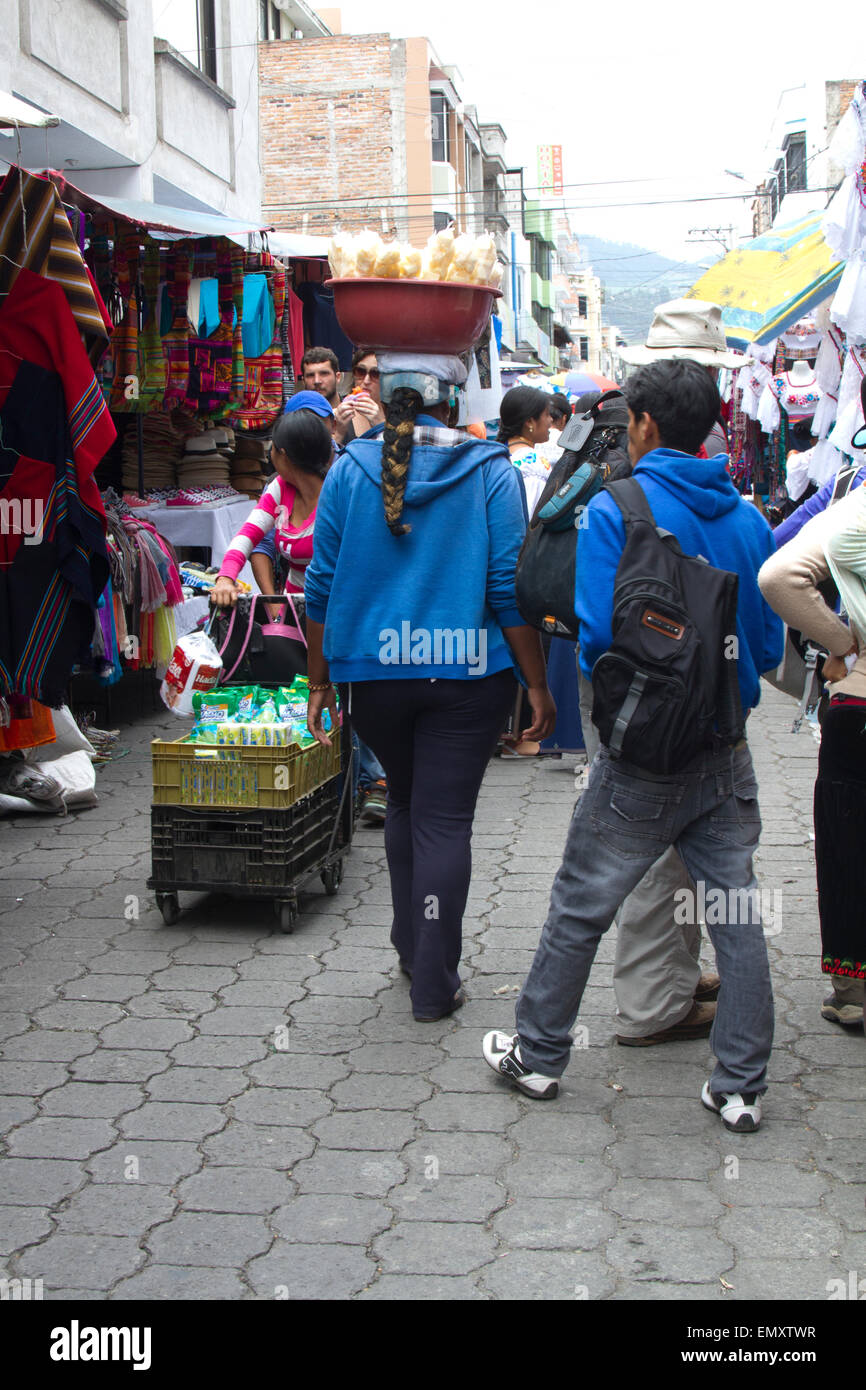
point(249, 465)
point(162, 448)
point(203, 464)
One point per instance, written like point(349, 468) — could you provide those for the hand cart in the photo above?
point(255, 822)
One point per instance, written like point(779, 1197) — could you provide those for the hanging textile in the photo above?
point(124, 340)
point(296, 331)
point(35, 235)
point(210, 359)
point(175, 343)
point(263, 376)
point(30, 731)
point(237, 394)
point(151, 358)
point(55, 429)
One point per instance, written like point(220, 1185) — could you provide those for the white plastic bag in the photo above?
point(195, 665)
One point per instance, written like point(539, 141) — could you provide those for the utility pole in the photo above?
point(719, 235)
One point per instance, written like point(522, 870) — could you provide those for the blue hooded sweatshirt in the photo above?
point(696, 500)
point(433, 602)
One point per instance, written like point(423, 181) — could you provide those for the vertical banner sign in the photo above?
point(545, 168)
point(556, 160)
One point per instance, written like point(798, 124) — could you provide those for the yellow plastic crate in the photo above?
point(195, 774)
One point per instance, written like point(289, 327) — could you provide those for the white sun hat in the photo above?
point(686, 328)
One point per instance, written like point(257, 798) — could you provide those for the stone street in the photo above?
point(218, 1110)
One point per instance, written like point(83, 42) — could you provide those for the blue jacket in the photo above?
point(818, 502)
point(696, 500)
point(433, 602)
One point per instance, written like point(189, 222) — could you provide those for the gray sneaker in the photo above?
point(849, 1015)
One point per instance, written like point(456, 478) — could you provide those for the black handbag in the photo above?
point(255, 649)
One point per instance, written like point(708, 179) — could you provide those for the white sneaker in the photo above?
point(502, 1053)
point(740, 1112)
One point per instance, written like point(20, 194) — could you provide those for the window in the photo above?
point(795, 162)
point(584, 349)
point(441, 220)
point(541, 258)
point(190, 27)
point(439, 128)
point(582, 309)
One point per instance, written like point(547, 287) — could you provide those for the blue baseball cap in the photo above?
point(309, 400)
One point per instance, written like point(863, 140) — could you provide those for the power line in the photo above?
point(376, 201)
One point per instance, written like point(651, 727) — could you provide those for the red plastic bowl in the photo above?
point(413, 315)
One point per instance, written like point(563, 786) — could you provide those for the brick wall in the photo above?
point(326, 131)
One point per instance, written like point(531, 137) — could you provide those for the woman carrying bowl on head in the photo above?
point(410, 601)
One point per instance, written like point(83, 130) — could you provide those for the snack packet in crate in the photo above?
point(195, 665)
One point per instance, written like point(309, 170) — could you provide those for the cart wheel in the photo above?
point(287, 915)
point(332, 877)
point(169, 907)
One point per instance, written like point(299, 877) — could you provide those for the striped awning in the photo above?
point(772, 282)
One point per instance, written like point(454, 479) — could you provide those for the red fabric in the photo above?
point(37, 326)
point(296, 330)
point(55, 429)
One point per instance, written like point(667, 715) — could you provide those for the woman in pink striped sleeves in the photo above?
point(301, 452)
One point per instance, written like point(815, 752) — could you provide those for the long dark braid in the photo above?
point(400, 415)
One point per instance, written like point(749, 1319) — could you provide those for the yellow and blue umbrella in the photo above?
point(768, 285)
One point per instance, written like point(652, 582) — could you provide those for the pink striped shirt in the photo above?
point(273, 510)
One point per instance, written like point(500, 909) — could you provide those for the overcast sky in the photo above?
point(648, 93)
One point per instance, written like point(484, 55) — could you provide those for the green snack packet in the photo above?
point(248, 698)
point(213, 706)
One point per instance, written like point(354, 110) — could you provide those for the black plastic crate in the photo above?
point(262, 851)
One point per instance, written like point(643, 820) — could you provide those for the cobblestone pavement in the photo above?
point(159, 1144)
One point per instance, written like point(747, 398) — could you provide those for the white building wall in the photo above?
point(134, 111)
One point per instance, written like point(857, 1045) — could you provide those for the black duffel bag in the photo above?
point(255, 649)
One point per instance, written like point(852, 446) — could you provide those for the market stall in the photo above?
point(794, 301)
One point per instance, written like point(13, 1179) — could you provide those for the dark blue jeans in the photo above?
point(434, 739)
point(622, 824)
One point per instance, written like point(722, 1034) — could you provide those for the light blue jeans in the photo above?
point(622, 824)
point(366, 768)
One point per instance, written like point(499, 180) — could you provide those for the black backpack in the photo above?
point(666, 689)
point(546, 565)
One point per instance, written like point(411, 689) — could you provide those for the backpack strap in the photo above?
point(844, 479)
point(631, 499)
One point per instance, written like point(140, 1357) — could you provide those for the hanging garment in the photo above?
point(296, 331)
point(55, 429)
point(263, 376)
point(210, 359)
point(35, 235)
point(126, 382)
point(321, 325)
point(798, 402)
point(283, 331)
point(237, 261)
point(175, 343)
point(150, 354)
point(258, 316)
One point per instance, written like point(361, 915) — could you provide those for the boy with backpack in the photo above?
point(682, 776)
